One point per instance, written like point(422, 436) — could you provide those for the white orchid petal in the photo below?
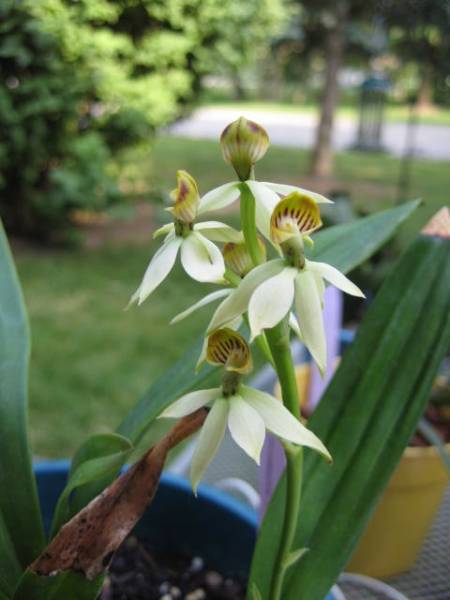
point(271, 301)
point(293, 324)
point(236, 304)
point(168, 228)
point(285, 190)
point(201, 259)
point(265, 202)
point(309, 313)
point(211, 435)
point(246, 427)
point(191, 402)
point(320, 283)
point(219, 232)
point(160, 266)
point(281, 422)
point(219, 197)
point(335, 277)
point(202, 358)
point(203, 302)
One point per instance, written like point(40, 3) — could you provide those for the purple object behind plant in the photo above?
point(272, 458)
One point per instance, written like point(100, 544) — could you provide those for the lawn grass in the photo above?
point(392, 113)
point(91, 360)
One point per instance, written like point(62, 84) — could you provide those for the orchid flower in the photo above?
point(200, 257)
point(243, 143)
point(246, 411)
point(268, 292)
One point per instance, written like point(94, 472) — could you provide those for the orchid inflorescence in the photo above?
point(287, 287)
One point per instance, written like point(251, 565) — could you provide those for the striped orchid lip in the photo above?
point(228, 348)
point(296, 214)
point(247, 414)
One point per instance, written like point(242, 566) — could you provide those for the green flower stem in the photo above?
point(248, 224)
point(279, 344)
point(278, 339)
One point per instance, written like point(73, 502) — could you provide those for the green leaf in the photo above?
point(101, 456)
point(18, 498)
point(254, 592)
point(366, 418)
point(10, 567)
point(295, 556)
point(176, 381)
point(67, 585)
point(347, 246)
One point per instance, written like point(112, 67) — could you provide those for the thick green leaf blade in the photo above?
point(366, 419)
point(18, 496)
point(65, 586)
point(347, 246)
point(176, 381)
point(101, 455)
point(10, 567)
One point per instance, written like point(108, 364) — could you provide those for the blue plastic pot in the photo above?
point(214, 525)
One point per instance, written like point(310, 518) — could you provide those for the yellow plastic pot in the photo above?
point(403, 517)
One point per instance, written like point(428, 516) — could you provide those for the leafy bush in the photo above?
point(51, 162)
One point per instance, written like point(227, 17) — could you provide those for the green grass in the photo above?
point(91, 361)
point(393, 113)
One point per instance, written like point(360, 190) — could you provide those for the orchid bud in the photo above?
point(186, 198)
point(229, 349)
point(295, 215)
point(243, 144)
point(238, 259)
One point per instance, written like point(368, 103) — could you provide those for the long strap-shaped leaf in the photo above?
point(64, 586)
point(19, 505)
point(366, 419)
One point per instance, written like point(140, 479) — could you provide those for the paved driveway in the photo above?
point(430, 141)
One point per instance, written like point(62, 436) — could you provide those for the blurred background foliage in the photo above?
point(87, 78)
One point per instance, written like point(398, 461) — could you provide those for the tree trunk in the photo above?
point(322, 156)
point(425, 93)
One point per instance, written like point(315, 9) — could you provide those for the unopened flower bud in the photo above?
point(229, 349)
point(238, 259)
point(296, 214)
point(186, 198)
point(243, 144)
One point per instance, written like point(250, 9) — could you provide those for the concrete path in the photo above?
point(430, 141)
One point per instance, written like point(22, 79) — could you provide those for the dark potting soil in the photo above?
point(138, 573)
